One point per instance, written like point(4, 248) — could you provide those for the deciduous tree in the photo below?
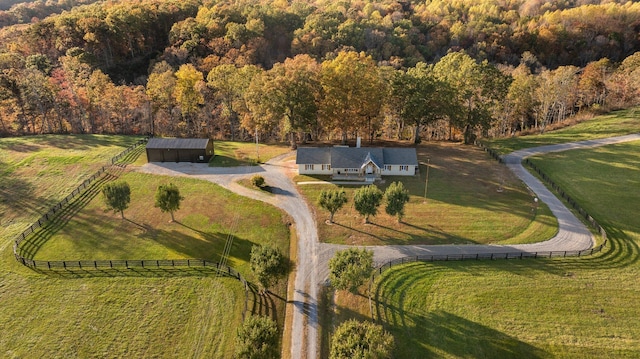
point(350, 268)
point(367, 200)
point(352, 92)
point(117, 196)
point(257, 339)
point(188, 93)
point(332, 201)
point(168, 199)
point(355, 339)
point(396, 197)
point(268, 264)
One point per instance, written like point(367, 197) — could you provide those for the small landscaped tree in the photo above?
point(268, 264)
point(367, 200)
point(168, 199)
point(117, 196)
point(332, 201)
point(350, 268)
point(257, 181)
point(396, 196)
point(355, 339)
point(257, 339)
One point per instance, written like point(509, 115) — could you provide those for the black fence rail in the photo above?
point(495, 155)
point(477, 257)
point(510, 255)
point(568, 199)
point(221, 269)
point(88, 265)
point(58, 207)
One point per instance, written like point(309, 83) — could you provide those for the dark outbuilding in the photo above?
point(179, 150)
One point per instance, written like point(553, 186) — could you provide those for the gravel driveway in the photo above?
point(313, 257)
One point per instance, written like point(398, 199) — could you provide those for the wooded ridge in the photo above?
point(313, 69)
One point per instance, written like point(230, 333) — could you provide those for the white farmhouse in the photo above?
point(357, 163)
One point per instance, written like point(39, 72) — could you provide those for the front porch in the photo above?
point(356, 177)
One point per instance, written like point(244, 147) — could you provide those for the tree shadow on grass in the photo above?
point(429, 235)
point(429, 334)
point(30, 246)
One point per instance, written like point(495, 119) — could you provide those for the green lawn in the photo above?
point(36, 172)
point(471, 198)
point(617, 123)
point(552, 308)
point(229, 154)
point(160, 313)
point(116, 317)
point(208, 216)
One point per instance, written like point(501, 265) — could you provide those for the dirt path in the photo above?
point(277, 173)
point(313, 257)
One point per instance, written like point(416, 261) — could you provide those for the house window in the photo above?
point(308, 167)
point(387, 167)
point(326, 167)
point(404, 168)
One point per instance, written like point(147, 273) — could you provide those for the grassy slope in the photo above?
point(38, 171)
point(141, 313)
point(463, 205)
point(578, 307)
point(617, 123)
point(118, 317)
point(207, 216)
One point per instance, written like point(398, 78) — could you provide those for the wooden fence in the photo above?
point(221, 269)
point(505, 255)
point(83, 186)
point(477, 257)
point(568, 199)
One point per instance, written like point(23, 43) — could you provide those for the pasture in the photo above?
point(181, 312)
point(546, 308)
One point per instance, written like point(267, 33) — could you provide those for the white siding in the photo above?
point(399, 170)
point(315, 169)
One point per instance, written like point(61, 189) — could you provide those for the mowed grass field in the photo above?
point(616, 123)
point(135, 313)
point(471, 199)
point(547, 308)
point(36, 172)
point(232, 153)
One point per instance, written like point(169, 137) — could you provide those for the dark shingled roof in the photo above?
point(313, 155)
point(400, 156)
point(178, 143)
point(354, 157)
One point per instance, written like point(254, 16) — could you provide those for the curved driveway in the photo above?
point(312, 269)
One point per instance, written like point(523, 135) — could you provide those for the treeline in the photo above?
point(318, 69)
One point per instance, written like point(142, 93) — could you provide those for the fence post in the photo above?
point(80, 264)
point(48, 264)
point(95, 264)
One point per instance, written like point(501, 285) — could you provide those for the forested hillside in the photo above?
point(314, 69)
